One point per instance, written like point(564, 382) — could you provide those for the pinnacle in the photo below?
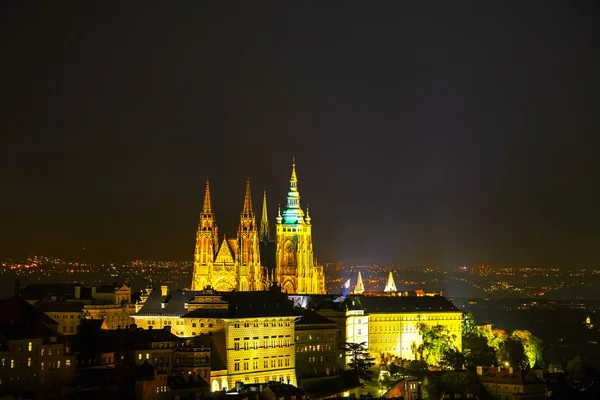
point(247, 200)
point(207, 209)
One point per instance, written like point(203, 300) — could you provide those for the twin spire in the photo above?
point(207, 209)
point(293, 203)
point(247, 211)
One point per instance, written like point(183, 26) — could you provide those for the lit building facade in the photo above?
point(252, 332)
point(394, 322)
point(388, 325)
point(318, 351)
point(235, 263)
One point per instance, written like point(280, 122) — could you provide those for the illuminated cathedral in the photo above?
point(251, 260)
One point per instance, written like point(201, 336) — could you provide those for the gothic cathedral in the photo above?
point(235, 263)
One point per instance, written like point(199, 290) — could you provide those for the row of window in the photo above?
point(417, 318)
point(256, 324)
point(314, 359)
point(307, 348)
point(273, 362)
point(267, 343)
point(316, 337)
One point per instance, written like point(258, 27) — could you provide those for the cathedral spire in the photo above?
point(293, 178)
point(247, 211)
point(360, 287)
point(247, 219)
point(207, 209)
point(264, 221)
point(390, 285)
point(293, 214)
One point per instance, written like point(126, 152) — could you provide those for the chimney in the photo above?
point(479, 370)
point(164, 290)
point(167, 328)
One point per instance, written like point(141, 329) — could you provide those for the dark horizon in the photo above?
point(423, 136)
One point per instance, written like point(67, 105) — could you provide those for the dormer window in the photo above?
point(162, 305)
point(185, 305)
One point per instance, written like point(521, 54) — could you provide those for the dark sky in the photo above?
point(425, 133)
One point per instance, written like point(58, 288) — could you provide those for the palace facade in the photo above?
point(251, 261)
point(252, 332)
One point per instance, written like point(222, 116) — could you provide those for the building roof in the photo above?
point(310, 317)
point(269, 303)
point(397, 304)
point(15, 310)
point(193, 382)
point(508, 377)
point(59, 306)
point(38, 291)
point(145, 372)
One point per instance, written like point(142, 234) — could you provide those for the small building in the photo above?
point(407, 388)
point(511, 384)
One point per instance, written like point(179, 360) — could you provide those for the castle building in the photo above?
point(235, 263)
point(252, 332)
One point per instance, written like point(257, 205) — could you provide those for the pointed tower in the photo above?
point(295, 269)
point(360, 287)
point(206, 244)
point(390, 286)
point(264, 222)
point(248, 254)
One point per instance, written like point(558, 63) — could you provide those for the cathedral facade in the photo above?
point(251, 260)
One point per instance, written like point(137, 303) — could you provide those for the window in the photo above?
point(147, 356)
point(68, 363)
point(236, 346)
point(140, 356)
point(245, 365)
point(236, 366)
point(30, 346)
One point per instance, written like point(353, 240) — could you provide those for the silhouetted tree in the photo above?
point(360, 360)
point(511, 351)
point(452, 359)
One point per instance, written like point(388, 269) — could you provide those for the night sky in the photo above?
point(424, 134)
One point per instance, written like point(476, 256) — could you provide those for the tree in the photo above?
point(455, 382)
point(436, 340)
point(477, 351)
point(511, 352)
point(416, 368)
point(533, 346)
point(469, 326)
point(360, 360)
point(452, 359)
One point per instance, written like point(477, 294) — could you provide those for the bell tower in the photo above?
point(207, 240)
point(294, 259)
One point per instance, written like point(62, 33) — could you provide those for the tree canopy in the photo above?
point(360, 360)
